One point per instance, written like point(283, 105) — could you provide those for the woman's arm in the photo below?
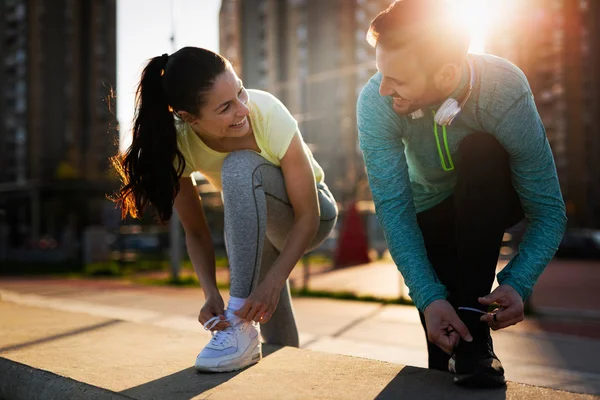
point(197, 236)
point(302, 193)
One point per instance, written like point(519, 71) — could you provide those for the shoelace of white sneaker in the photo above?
point(211, 323)
point(219, 338)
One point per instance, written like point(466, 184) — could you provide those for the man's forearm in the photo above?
point(408, 251)
point(539, 245)
point(522, 134)
point(383, 151)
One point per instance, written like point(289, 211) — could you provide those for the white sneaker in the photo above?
point(234, 348)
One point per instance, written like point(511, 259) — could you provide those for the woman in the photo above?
point(193, 114)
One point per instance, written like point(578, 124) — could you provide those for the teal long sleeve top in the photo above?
point(405, 166)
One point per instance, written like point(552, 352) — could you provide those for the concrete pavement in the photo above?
point(76, 355)
point(386, 333)
point(566, 287)
point(566, 299)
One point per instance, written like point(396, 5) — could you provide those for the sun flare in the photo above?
point(477, 16)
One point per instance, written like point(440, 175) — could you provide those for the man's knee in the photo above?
point(481, 147)
point(482, 158)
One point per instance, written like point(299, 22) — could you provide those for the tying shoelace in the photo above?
point(218, 337)
point(472, 309)
point(211, 323)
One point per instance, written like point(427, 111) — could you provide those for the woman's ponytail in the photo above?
point(150, 169)
point(147, 169)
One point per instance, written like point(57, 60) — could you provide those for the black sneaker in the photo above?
point(475, 364)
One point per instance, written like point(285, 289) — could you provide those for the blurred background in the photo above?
point(68, 74)
point(67, 82)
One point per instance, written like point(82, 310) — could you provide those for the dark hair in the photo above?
point(427, 23)
point(150, 169)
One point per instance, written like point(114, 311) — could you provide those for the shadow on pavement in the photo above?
point(187, 383)
point(60, 335)
point(411, 382)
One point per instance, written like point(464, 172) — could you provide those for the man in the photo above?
point(445, 193)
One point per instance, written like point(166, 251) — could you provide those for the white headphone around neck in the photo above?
point(450, 109)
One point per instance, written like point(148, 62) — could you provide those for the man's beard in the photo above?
point(431, 92)
point(402, 111)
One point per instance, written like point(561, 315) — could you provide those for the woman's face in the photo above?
point(225, 111)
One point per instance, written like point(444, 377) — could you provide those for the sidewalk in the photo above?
point(55, 354)
point(567, 286)
point(566, 299)
point(566, 289)
point(388, 333)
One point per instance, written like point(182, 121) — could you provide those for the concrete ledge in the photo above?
point(20, 381)
point(53, 354)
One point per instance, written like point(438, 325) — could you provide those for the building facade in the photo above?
point(555, 43)
point(313, 56)
point(57, 119)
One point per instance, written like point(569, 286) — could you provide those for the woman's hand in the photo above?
point(262, 302)
point(213, 307)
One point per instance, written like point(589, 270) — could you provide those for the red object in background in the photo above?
point(353, 244)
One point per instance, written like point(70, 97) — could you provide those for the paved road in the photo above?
point(566, 287)
point(390, 333)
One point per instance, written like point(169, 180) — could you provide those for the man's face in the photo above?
point(405, 80)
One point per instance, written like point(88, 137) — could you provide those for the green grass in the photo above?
point(347, 296)
point(193, 282)
point(188, 281)
point(116, 269)
point(317, 259)
point(140, 263)
point(143, 263)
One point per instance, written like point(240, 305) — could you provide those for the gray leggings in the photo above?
point(257, 207)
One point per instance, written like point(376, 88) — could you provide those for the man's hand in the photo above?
point(511, 310)
point(444, 327)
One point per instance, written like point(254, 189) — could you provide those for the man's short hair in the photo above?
point(428, 24)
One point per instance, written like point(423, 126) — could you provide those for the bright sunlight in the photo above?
point(477, 15)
